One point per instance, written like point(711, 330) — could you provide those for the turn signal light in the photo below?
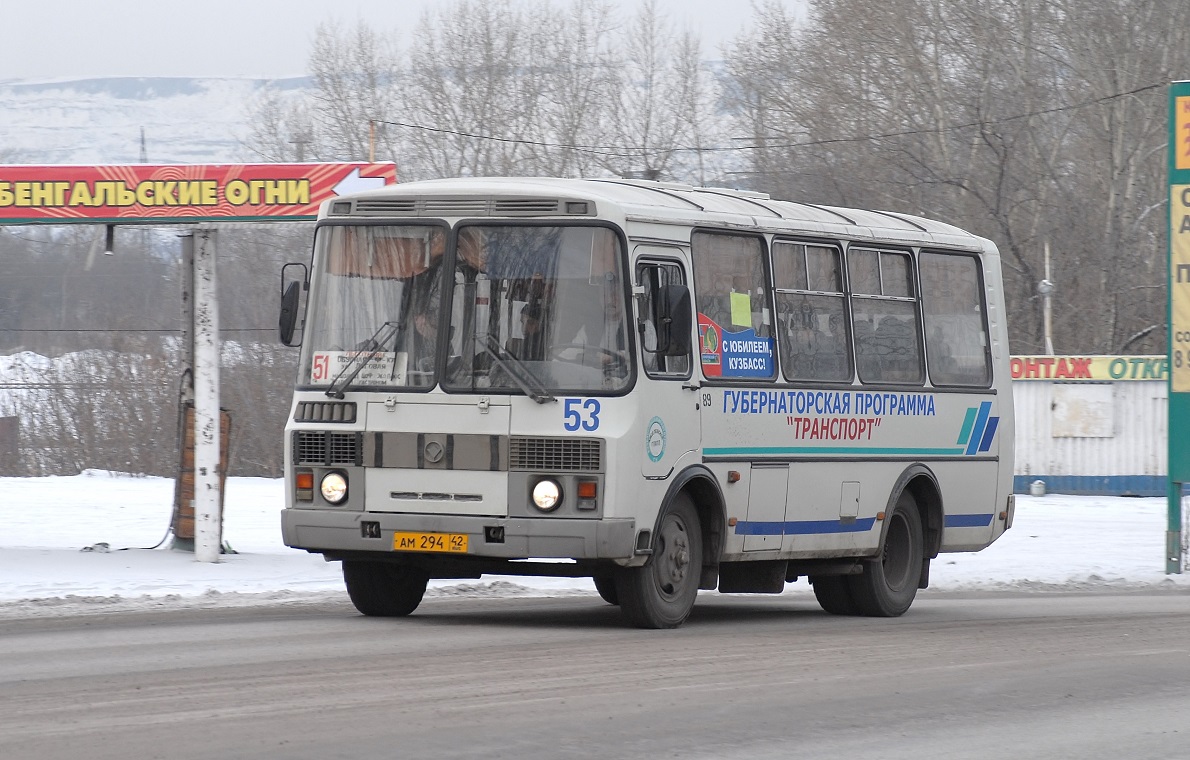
point(587, 490)
point(303, 482)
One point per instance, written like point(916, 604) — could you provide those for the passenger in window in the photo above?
point(941, 356)
point(803, 340)
point(530, 347)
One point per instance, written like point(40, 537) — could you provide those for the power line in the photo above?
point(620, 151)
point(162, 330)
point(610, 151)
point(967, 125)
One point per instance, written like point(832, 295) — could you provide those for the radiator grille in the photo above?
point(556, 454)
point(318, 447)
point(516, 206)
point(325, 411)
point(454, 206)
point(458, 206)
point(380, 206)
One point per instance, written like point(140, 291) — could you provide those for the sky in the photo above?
point(74, 39)
point(79, 544)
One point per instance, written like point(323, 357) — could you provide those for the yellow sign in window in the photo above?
point(741, 309)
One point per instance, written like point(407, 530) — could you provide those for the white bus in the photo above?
point(661, 387)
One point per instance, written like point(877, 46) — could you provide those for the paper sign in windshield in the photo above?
point(380, 368)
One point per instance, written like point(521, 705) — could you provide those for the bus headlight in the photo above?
point(334, 487)
point(547, 495)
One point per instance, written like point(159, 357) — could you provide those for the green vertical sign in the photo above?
point(1179, 317)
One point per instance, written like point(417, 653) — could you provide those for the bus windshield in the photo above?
point(376, 291)
point(537, 309)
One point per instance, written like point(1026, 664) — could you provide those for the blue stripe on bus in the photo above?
point(743, 450)
point(989, 434)
point(981, 420)
point(802, 527)
point(968, 521)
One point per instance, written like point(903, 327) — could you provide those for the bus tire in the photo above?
point(606, 586)
point(888, 584)
point(381, 589)
point(833, 594)
point(661, 593)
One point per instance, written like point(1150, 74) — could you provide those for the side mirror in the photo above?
point(671, 315)
point(292, 287)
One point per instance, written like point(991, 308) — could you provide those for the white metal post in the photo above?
point(1047, 294)
point(207, 507)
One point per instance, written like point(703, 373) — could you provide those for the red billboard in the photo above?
point(139, 193)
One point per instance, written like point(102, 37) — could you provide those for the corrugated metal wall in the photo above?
point(1101, 438)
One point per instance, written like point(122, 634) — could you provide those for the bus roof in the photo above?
point(645, 201)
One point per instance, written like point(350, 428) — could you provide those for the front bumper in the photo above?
point(333, 532)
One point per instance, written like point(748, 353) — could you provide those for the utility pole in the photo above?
point(208, 518)
point(301, 141)
point(1046, 289)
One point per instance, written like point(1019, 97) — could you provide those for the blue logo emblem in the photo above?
point(655, 439)
point(979, 429)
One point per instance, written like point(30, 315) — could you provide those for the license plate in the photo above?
point(453, 543)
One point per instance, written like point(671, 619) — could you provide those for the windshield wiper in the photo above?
point(383, 334)
point(515, 368)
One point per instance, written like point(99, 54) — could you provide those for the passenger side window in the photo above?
point(957, 346)
point(884, 312)
point(811, 313)
point(654, 276)
point(734, 311)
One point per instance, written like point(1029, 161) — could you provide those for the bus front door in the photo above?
point(667, 397)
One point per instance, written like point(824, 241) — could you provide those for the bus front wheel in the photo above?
point(888, 584)
point(382, 589)
point(661, 593)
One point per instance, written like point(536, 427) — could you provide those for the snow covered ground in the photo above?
point(82, 543)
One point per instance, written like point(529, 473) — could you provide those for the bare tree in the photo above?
point(474, 90)
point(354, 73)
point(1118, 55)
point(1019, 119)
point(355, 76)
point(281, 127)
point(658, 81)
point(578, 81)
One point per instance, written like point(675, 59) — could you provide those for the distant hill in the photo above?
point(99, 121)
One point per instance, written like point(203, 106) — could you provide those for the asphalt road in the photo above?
point(975, 676)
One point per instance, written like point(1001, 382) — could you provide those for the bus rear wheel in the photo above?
point(833, 594)
point(661, 593)
point(889, 582)
point(606, 586)
point(382, 589)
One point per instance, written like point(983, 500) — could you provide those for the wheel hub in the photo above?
point(678, 557)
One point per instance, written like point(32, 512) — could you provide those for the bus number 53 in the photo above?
point(580, 413)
